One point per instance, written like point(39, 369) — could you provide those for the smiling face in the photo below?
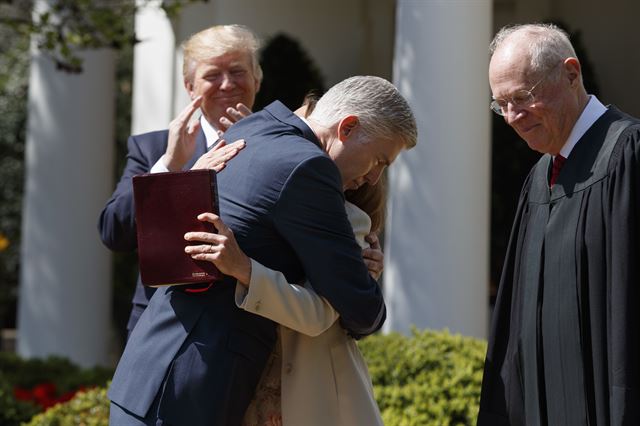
point(546, 123)
point(223, 81)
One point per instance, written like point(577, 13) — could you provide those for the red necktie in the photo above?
point(558, 162)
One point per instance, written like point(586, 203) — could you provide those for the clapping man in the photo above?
point(221, 75)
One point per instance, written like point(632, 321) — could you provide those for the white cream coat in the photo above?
point(325, 380)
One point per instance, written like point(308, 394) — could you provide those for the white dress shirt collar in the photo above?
point(591, 113)
point(210, 132)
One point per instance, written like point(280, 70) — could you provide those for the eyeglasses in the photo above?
point(520, 98)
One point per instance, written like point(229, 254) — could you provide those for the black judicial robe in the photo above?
point(564, 347)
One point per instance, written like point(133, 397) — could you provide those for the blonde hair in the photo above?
point(217, 41)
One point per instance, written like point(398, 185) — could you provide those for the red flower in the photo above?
point(22, 394)
point(44, 391)
point(44, 394)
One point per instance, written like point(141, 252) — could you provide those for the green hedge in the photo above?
point(430, 378)
point(88, 408)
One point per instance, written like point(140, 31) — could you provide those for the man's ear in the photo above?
point(572, 68)
point(188, 85)
point(347, 126)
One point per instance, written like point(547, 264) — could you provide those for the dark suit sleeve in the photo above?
point(117, 221)
point(310, 215)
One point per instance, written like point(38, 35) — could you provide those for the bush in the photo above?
point(87, 408)
point(430, 378)
point(12, 411)
point(28, 387)
point(67, 377)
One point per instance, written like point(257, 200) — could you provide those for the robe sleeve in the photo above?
point(624, 275)
point(500, 382)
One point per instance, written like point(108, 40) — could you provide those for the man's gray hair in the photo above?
point(380, 108)
point(217, 41)
point(548, 44)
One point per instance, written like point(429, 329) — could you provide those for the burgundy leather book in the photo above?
point(167, 206)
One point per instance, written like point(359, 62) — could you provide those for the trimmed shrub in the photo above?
point(87, 408)
point(430, 378)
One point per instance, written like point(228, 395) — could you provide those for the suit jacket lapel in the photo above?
point(201, 148)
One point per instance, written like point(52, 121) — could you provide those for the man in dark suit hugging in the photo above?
point(195, 358)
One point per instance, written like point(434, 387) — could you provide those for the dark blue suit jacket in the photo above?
point(117, 224)
point(197, 355)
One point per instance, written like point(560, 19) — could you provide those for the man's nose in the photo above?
point(513, 113)
point(227, 81)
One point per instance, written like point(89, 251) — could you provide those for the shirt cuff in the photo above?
point(159, 167)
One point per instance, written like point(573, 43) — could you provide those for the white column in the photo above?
point(437, 235)
point(64, 305)
point(153, 70)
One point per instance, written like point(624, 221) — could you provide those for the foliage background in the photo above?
point(431, 378)
point(14, 74)
point(57, 374)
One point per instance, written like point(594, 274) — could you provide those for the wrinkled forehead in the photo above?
point(232, 58)
point(509, 70)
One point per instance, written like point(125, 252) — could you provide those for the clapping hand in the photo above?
point(182, 137)
point(235, 114)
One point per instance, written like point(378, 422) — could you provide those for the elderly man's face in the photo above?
point(546, 123)
point(223, 81)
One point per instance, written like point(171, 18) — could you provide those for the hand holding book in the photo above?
point(219, 248)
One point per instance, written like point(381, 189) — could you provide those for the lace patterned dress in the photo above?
point(264, 409)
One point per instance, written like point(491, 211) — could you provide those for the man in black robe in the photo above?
point(564, 347)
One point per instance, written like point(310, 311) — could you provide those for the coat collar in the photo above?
point(281, 113)
point(587, 163)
